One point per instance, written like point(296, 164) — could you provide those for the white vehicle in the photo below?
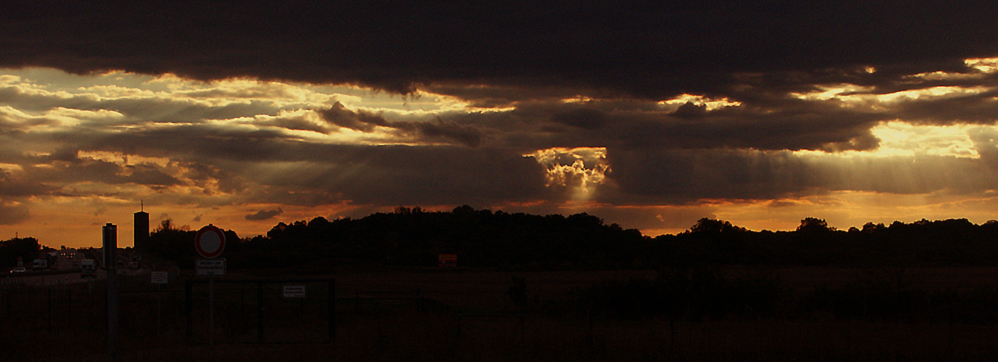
point(40, 264)
point(88, 268)
point(17, 270)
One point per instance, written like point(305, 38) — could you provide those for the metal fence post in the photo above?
point(331, 309)
point(259, 312)
point(189, 308)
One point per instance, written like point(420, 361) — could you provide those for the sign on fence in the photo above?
point(210, 267)
point(160, 277)
point(447, 260)
point(294, 291)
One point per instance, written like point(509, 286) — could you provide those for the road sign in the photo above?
point(210, 241)
point(210, 267)
point(294, 291)
point(447, 260)
point(160, 277)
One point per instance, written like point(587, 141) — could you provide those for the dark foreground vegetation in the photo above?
point(540, 288)
point(482, 238)
point(697, 315)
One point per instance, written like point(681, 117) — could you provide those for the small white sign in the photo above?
point(210, 267)
point(160, 277)
point(294, 291)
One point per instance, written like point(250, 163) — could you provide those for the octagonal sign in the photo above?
point(210, 241)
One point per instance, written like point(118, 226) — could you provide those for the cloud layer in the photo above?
point(648, 111)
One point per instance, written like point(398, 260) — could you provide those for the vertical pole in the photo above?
point(522, 332)
point(211, 311)
point(49, 304)
point(110, 258)
point(69, 306)
point(592, 335)
point(189, 308)
point(259, 312)
point(159, 309)
point(331, 309)
point(672, 334)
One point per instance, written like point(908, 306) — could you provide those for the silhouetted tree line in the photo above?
point(922, 243)
point(482, 238)
point(696, 293)
point(176, 243)
point(25, 248)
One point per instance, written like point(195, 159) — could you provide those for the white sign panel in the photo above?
point(294, 291)
point(210, 267)
point(160, 277)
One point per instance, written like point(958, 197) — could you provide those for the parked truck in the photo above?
point(88, 268)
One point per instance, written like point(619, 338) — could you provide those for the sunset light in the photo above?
point(653, 143)
point(499, 181)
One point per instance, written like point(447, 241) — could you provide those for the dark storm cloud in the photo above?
point(792, 124)
point(686, 176)
point(50, 174)
point(644, 49)
point(446, 130)
point(300, 173)
point(432, 131)
point(973, 108)
point(294, 124)
point(10, 215)
point(362, 121)
point(264, 214)
point(582, 118)
point(135, 110)
point(433, 175)
point(574, 74)
point(16, 187)
point(89, 170)
point(401, 175)
point(10, 124)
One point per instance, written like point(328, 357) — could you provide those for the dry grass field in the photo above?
point(467, 315)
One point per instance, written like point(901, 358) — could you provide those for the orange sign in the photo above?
point(447, 260)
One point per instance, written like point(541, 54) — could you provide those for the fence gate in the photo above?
point(262, 311)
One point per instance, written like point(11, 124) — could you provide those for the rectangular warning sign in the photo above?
point(294, 291)
point(210, 267)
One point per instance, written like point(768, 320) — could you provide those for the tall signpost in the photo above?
point(110, 258)
point(210, 242)
point(159, 278)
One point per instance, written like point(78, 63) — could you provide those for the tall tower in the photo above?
point(141, 228)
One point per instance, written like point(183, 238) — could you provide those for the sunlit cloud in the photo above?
point(931, 93)
point(580, 170)
point(254, 152)
point(986, 65)
point(853, 95)
point(710, 103)
point(826, 92)
point(900, 139)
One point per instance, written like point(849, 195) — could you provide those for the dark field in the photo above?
point(811, 314)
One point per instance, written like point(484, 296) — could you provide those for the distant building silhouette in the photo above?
point(141, 230)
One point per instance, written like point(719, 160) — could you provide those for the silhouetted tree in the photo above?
point(25, 248)
point(813, 224)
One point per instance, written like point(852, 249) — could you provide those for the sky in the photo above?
point(650, 115)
